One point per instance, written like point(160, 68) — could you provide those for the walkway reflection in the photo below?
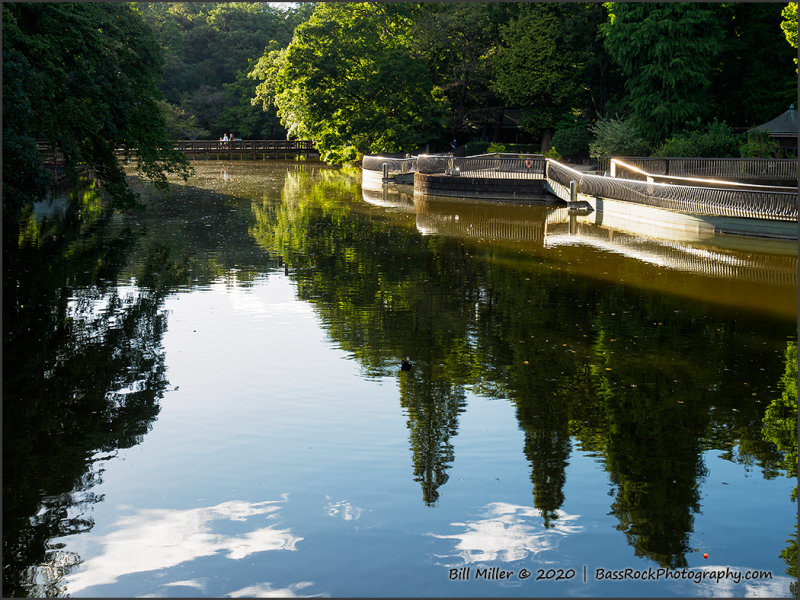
point(396, 197)
point(645, 251)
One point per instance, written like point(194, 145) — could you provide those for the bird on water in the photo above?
point(406, 364)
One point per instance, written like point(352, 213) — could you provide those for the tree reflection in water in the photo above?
point(83, 372)
point(433, 406)
point(780, 428)
point(613, 369)
point(645, 382)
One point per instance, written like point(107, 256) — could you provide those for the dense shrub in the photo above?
point(552, 153)
point(617, 137)
point(713, 140)
point(758, 144)
point(572, 142)
point(523, 148)
point(477, 148)
point(474, 148)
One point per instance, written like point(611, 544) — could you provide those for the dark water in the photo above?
point(206, 399)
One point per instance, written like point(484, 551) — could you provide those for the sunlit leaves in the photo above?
point(350, 81)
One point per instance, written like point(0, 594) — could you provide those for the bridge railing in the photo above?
point(696, 199)
point(245, 145)
point(734, 169)
point(487, 166)
point(619, 168)
point(394, 166)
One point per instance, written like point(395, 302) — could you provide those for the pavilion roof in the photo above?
point(784, 125)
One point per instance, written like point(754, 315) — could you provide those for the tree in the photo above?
point(533, 70)
point(754, 79)
point(789, 25)
point(209, 48)
point(350, 81)
point(241, 116)
point(617, 137)
point(180, 125)
point(668, 53)
point(457, 42)
point(85, 79)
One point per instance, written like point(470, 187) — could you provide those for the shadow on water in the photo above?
point(644, 380)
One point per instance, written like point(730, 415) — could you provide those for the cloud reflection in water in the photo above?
point(508, 533)
point(265, 590)
point(156, 539)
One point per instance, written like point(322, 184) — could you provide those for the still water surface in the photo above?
point(205, 399)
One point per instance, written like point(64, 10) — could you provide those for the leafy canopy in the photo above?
point(534, 69)
point(350, 80)
point(85, 80)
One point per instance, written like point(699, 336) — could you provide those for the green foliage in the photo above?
point(617, 137)
point(755, 79)
point(780, 418)
point(552, 153)
point(477, 148)
point(456, 41)
point(533, 70)
point(759, 144)
point(487, 147)
point(24, 176)
point(208, 50)
point(179, 124)
point(350, 80)
point(667, 51)
point(789, 24)
point(715, 139)
point(572, 138)
point(85, 81)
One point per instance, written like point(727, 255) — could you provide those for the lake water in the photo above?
point(206, 399)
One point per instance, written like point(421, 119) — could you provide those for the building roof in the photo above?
point(784, 125)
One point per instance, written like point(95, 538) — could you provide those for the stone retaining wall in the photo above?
point(482, 187)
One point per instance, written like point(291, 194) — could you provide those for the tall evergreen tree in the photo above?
point(668, 53)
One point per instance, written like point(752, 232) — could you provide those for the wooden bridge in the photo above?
point(54, 160)
point(251, 149)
